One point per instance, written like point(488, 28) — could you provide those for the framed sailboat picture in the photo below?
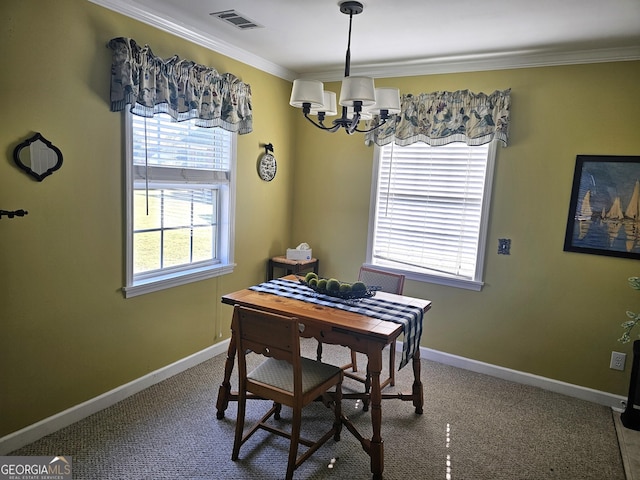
point(604, 213)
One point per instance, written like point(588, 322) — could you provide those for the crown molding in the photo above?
point(432, 66)
point(482, 62)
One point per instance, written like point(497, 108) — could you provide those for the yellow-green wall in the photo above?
point(67, 333)
point(542, 310)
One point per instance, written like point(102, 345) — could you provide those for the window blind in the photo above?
point(179, 145)
point(429, 207)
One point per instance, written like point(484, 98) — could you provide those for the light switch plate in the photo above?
point(504, 246)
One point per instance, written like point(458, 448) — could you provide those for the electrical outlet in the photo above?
point(617, 360)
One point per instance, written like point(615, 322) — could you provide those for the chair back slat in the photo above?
point(270, 335)
point(389, 281)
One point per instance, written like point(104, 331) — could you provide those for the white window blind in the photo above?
point(160, 142)
point(180, 201)
point(429, 209)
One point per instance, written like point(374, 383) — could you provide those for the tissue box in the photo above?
point(300, 255)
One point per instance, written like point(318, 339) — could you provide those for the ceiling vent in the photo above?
point(236, 19)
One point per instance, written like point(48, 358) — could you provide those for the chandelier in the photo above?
point(359, 98)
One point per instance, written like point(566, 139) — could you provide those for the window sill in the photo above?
point(158, 283)
point(434, 279)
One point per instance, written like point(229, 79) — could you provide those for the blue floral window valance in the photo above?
point(180, 88)
point(444, 117)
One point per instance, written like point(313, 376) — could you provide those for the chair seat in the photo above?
point(279, 374)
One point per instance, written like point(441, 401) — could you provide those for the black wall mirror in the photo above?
point(38, 157)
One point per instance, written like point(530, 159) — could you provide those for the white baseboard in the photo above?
point(576, 391)
point(44, 427)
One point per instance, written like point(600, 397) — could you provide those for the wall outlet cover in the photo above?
point(504, 246)
point(617, 360)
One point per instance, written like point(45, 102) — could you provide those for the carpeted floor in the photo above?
point(474, 427)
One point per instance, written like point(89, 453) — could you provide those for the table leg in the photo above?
point(224, 391)
point(377, 445)
point(269, 270)
point(417, 390)
point(367, 389)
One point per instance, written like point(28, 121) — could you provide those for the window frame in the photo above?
point(155, 281)
point(477, 282)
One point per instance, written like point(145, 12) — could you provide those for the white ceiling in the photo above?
point(401, 37)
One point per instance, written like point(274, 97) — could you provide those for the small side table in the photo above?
point(291, 266)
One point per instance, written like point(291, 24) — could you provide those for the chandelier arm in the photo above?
point(384, 120)
point(352, 126)
point(331, 129)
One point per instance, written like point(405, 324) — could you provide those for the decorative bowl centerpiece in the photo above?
point(335, 288)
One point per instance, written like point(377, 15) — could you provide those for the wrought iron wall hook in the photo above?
point(14, 213)
point(268, 148)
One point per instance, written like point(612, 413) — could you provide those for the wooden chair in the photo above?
point(391, 283)
point(284, 377)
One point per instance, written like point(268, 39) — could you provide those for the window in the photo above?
point(429, 211)
point(180, 203)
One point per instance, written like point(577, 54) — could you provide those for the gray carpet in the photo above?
point(474, 427)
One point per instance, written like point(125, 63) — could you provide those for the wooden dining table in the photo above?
point(329, 325)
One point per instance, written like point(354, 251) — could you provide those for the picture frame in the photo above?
point(604, 210)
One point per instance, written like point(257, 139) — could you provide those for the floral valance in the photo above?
point(181, 88)
point(445, 117)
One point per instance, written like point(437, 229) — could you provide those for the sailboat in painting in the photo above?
point(614, 217)
point(631, 219)
point(633, 209)
point(584, 216)
point(615, 213)
point(585, 210)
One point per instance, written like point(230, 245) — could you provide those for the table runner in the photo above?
point(410, 317)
